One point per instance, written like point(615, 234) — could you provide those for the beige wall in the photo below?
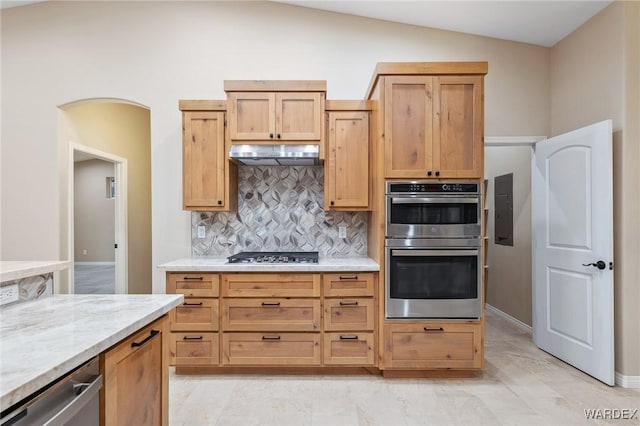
point(594, 76)
point(93, 213)
point(508, 286)
point(122, 130)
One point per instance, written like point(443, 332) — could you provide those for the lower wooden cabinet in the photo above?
point(136, 377)
point(433, 345)
point(349, 314)
point(271, 349)
point(349, 349)
point(194, 349)
point(271, 314)
point(195, 314)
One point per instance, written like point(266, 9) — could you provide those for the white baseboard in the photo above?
point(94, 263)
point(513, 320)
point(630, 382)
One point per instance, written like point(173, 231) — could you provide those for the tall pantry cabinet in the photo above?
point(430, 127)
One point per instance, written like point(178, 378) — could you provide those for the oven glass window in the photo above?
point(433, 277)
point(434, 214)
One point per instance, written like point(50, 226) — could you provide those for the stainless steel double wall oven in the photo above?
point(433, 250)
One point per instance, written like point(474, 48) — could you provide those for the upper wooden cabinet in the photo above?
point(347, 179)
point(432, 117)
point(286, 111)
point(207, 175)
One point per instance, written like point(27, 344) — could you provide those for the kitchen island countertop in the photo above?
point(42, 340)
point(220, 264)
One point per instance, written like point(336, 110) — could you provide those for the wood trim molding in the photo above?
point(202, 105)
point(340, 105)
point(275, 85)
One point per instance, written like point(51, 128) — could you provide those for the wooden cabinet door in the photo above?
point(203, 160)
point(195, 314)
point(136, 377)
point(198, 284)
point(433, 345)
point(271, 349)
point(348, 314)
point(458, 127)
point(408, 126)
point(347, 177)
point(271, 314)
point(348, 349)
point(252, 116)
point(298, 116)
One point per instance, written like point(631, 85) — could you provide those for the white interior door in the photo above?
point(572, 200)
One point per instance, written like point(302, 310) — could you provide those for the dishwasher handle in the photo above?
point(84, 392)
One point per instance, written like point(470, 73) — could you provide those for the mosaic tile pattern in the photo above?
point(279, 209)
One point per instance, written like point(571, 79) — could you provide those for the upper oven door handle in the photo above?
point(434, 252)
point(423, 200)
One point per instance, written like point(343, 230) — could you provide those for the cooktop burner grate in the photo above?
point(274, 257)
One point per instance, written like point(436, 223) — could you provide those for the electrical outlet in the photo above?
point(9, 294)
point(202, 233)
point(342, 232)
point(84, 252)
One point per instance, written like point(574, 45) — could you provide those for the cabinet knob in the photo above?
point(429, 173)
point(219, 202)
point(437, 173)
point(332, 203)
point(271, 135)
point(278, 135)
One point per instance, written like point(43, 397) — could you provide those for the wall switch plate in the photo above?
point(202, 233)
point(84, 252)
point(9, 294)
point(342, 232)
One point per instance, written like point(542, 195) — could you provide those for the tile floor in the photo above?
point(521, 385)
point(94, 279)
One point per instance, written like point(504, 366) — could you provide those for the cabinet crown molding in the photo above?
point(275, 85)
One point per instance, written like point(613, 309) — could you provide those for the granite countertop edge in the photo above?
point(14, 390)
point(219, 264)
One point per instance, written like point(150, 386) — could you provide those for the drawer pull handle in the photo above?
point(270, 337)
point(348, 277)
point(354, 303)
point(348, 337)
point(270, 303)
point(192, 338)
point(193, 278)
point(146, 339)
point(192, 304)
point(428, 330)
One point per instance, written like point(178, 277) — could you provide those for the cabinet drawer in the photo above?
point(194, 349)
point(271, 285)
point(195, 314)
point(433, 345)
point(271, 314)
point(348, 314)
point(271, 348)
point(193, 284)
point(348, 349)
point(348, 284)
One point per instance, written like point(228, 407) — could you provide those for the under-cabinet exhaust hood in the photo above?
point(275, 155)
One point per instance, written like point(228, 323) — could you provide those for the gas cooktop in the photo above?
point(274, 257)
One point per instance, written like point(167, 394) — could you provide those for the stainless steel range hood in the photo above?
point(275, 155)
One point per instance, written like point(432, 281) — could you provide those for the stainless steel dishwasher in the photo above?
point(73, 400)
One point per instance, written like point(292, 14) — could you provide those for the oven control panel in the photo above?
point(432, 187)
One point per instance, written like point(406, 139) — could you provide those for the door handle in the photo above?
point(599, 264)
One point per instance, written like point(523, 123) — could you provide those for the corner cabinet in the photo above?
point(136, 378)
point(433, 126)
point(207, 175)
point(347, 167)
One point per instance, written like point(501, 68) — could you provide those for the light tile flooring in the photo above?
point(521, 385)
point(94, 279)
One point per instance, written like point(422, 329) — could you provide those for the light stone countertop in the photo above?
point(219, 264)
point(43, 339)
point(11, 270)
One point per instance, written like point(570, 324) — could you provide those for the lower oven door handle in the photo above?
point(434, 252)
point(434, 200)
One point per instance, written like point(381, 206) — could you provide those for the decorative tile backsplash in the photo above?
point(33, 287)
point(279, 209)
